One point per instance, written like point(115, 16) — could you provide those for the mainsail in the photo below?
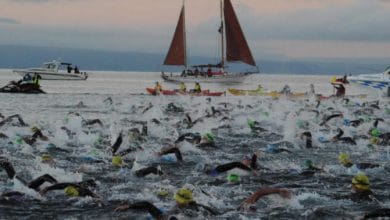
point(177, 51)
point(237, 48)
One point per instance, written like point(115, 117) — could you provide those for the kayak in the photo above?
point(152, 91)
point(260, 92)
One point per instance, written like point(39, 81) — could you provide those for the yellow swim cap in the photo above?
point(361, 182)
point(71, 191)
point(46, 157)
point(34, 129)
point(183, 196)
point(117, 161)
point(162, 192)
point(344, 159)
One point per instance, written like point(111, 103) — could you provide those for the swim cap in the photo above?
point(34, 129)
point(271, 148)
point(346, 122)
point(300, 123)
point(321, 139)
point(71, 191)
point(209, 136)
point(251, 123)
point(98, 140)
point(162, 192)
point(374, 140)
point(233, 178)
point(183, 196)
point(361, 182)
point(51, 145)
point(46, 157)
point(18, 140)
point(308, 164)
point(168, 159)
point(117, 161)
point(344, 159)
point(265, 114)
point(375, 132)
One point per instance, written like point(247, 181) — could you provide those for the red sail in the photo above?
point(236, 46)
point(177, 51)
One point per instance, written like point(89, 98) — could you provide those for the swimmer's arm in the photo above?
point(263, 192)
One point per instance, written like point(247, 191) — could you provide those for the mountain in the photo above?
point(12, 56)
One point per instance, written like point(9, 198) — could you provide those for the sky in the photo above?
point(277, 29)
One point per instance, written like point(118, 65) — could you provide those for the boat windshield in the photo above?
point(49, 66)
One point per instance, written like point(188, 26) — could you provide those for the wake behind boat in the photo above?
point(380, 81)
point(234, 49)
point(55, 70)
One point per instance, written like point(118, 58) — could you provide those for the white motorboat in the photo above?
point(55, 70)
point(380, 81)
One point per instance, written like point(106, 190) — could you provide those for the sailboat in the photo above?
point(234, 49)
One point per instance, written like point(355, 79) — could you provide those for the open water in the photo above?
point(119, 100)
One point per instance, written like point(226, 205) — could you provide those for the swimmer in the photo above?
point(252, 199)
point(345, 160)
point(247, 164)
point(308, 137)
point(347, 140)
point(79, 189)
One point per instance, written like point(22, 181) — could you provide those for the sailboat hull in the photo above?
point(223, 79)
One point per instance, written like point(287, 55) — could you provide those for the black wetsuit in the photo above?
point(82, 190)
point(190, 137)
point(347, 140)
point(174, 150)
point(7, 166)
point(148, 170)
point(117, 144)
point(329, 118)
point(309, 142)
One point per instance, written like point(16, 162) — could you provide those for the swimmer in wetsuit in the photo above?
point(252, 199)
point(345, 160)
point(184, 200)
point(79, 189)
point(247, 164)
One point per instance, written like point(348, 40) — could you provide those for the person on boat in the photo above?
point(197, 88)
point(340, 90)
point(209, 72)
point(69, 69)
point(286, 90)
point(76, 69)
point(157, 88)
point(252, 199)
point(183, 87)
point(27, 78)
point(196, 72)
point(36, 78)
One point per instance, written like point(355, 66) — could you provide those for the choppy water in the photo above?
point(117, 99)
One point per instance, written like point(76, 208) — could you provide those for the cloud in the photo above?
point(360, 21)
point(8, 21)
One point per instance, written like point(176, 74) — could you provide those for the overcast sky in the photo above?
point(274, 28)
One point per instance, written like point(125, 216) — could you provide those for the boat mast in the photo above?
point(221, 31)
point(185, 37)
